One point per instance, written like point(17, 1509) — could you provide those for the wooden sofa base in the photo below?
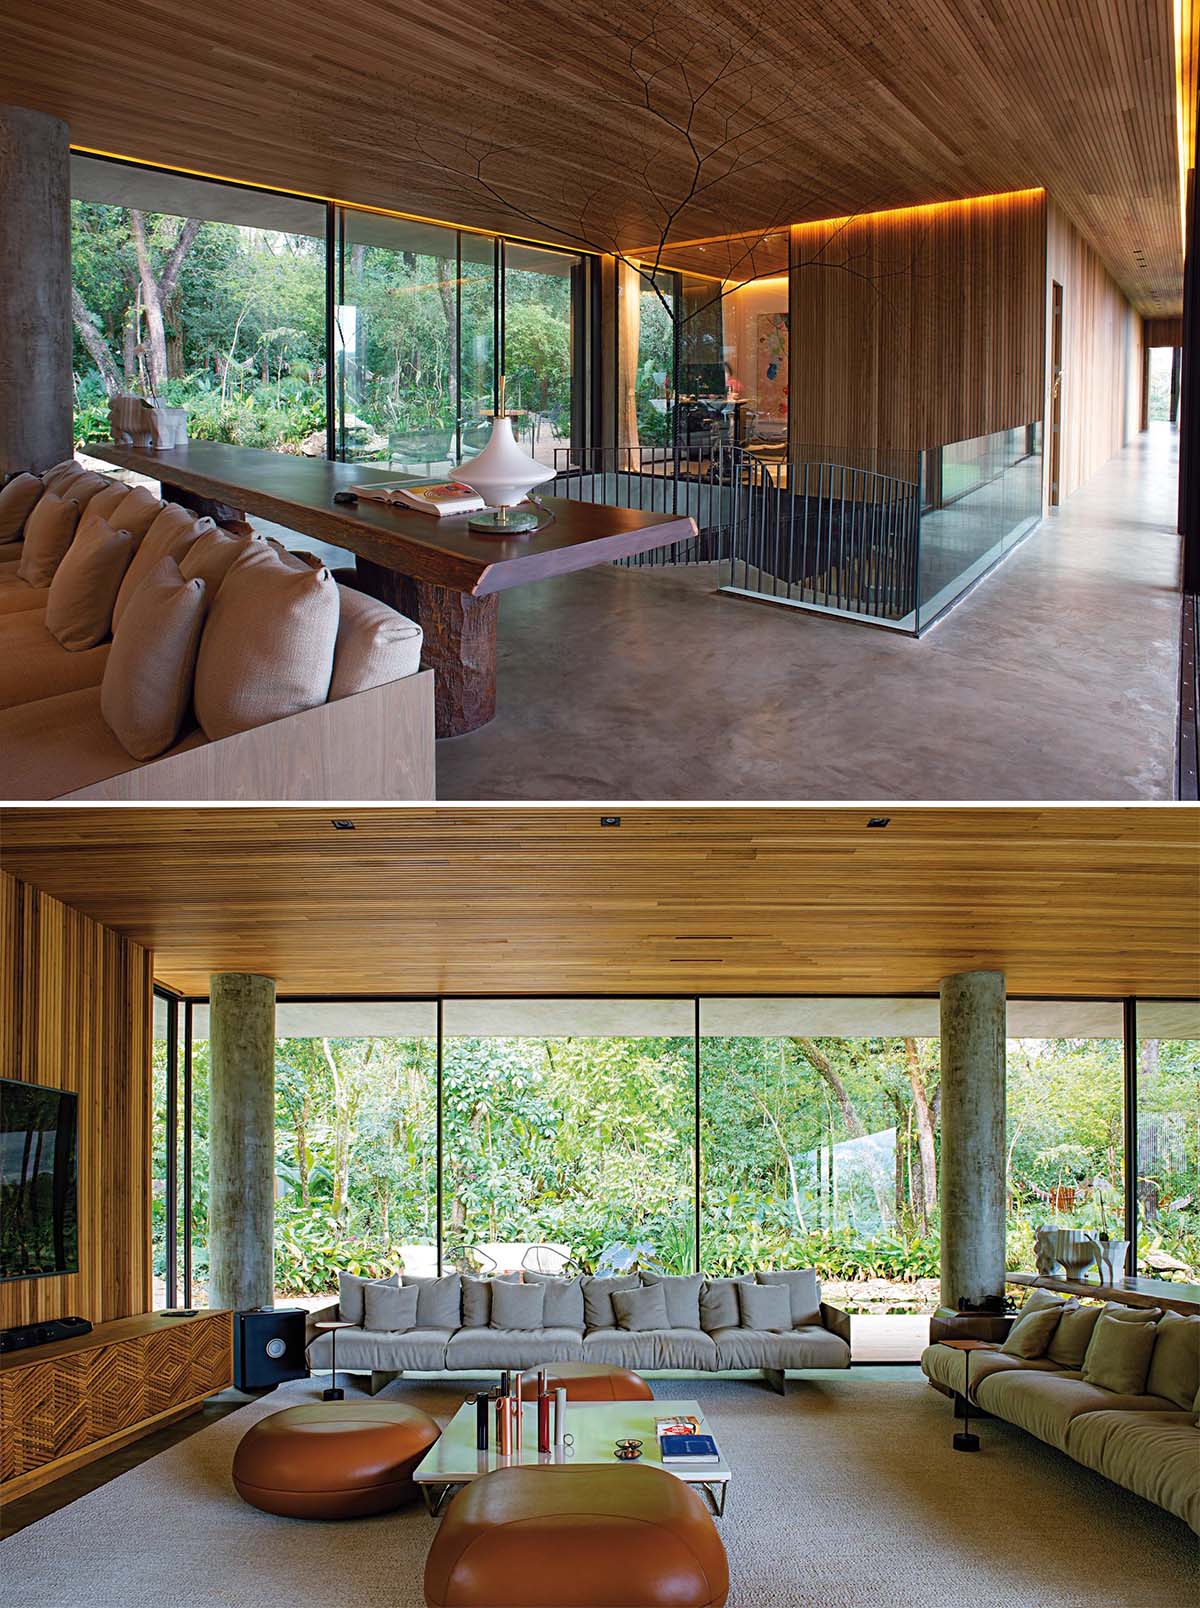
point(375, 745)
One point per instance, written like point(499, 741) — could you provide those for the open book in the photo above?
point(435, 497)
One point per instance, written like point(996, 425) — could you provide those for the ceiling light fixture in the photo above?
point(879, 820)
point(340, 824)
point(610, 820)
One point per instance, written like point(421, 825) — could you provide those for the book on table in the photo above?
point(696, 1451)
point(681, 1424)
point(437, 497)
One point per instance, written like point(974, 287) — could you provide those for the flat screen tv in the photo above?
point(39, 1211)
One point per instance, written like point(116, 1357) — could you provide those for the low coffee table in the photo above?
point(596, 1427)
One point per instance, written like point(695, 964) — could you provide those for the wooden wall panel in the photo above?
point(918, 327)
point(1162, 331)
point(1102, 355)
point(75, 1012)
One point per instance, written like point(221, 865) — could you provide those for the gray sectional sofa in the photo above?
point(638, 1322)
point(1144, 1435)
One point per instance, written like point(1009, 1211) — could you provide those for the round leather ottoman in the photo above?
point(583, 1537)
point(591, 1381)
point(333, 1460)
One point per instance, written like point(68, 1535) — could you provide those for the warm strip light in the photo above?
point(1185, 132)
point(325, 200)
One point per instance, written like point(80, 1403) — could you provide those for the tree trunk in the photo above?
point(157, 291)
point(447, 288)
point(925, 1142)
point(96, 345)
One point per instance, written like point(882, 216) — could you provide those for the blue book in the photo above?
point(689, 1449)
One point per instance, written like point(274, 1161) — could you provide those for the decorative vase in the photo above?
point(502, 474)
point(1110, 1259)
point(1045, 1258)
point(1073, 1249)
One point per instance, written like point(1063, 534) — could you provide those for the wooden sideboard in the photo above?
point(65, 1404)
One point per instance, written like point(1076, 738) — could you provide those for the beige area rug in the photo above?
point(846, 1494)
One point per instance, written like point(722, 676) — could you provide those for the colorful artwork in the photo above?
point(772, 365)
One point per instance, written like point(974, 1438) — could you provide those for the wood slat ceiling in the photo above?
point(736, 901)
point(832, 107)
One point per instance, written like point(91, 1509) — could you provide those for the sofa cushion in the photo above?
point(641, 1309)
point(439, 1301)
point(765, 1306)
point(682, 1291)
point(1156, 1455)
point(1045, 1403)
point(719, 1303)
point(389, 1308)
point(512, 1348)
point(517, 1306)
point(374, 645)
point(137, 511)
point(1031, 1334)
point(18, 597)
point(84, 487)
point(35, 666)
point(946, 1367)
point(212, 555)
point(597, 1299)
point(650, 1348)
point(147, 688)
point(803, 1290)
point(81, 595)
point(171, 534)
point(1175, 1362)
point(477, 1298)
point(807, 1347)
point(351, 1308)
point(1118, 1356)
point(17, 501)
point(106, 502)
point(564, 1300)
point(60, 471)
point(267, 650)
point(49, 531)
point(365, 1350)
point(1069, 1342)
point(56, 745)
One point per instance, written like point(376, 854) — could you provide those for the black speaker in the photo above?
point(268, 1347)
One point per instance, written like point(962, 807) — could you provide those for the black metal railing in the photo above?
point(653, 479)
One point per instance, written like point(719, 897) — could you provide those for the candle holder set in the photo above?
point(505, 1403)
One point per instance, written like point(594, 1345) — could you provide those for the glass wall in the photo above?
point(568, 1133)
point(1168, 1140)
point(206, 296)
point(1066, 1121)
point(539, 302)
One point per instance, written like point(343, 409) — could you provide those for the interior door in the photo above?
point(1056, 366)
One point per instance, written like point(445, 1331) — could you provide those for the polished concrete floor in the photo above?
point(1054, 679)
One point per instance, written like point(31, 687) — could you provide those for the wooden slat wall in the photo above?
point(1102, 355)
point(1162, 331)
point(75, 1012)
point(918, 327)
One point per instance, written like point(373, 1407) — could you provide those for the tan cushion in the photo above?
point(1155, 1455)
point(1031, 1334)
point(945, 1366)
point(10, 566)
point(214, 554)
point(1175, 1361)
point(84, 588)
point(299, 556)
point(49, 531)
point(57, 745)
point(17, 597)
point(267, 650)
point(1118, 1355)
point(1069, 1342)
point(171, 534)
point(147, 687)
point(374, 645)
point(60, 474)
point(1130, 1314)
point(35, 665)
point(17, 501)
point(83, 487)
point(107, 501)
point(1045, 1403)
point(137, 510)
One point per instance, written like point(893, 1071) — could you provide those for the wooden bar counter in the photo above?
point(437, 571)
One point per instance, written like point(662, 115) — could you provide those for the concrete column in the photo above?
point(35, 291)
point(972, 1137)
point(241, 1116)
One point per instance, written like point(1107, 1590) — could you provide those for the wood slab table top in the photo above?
point(1139, 1292)
point(298, 492)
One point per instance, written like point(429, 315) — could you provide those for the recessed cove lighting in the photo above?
point(342, 825)
point(610, 820)
point(880, 820)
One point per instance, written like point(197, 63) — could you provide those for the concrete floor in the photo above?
point(1055, 679)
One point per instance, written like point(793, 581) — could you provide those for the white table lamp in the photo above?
point(502, 474)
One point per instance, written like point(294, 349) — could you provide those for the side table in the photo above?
point(333, 1393)
point(964, 1441)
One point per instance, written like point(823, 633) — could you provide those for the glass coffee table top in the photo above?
point(595, 1427)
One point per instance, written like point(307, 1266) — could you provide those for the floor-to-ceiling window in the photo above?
point(568, 1131)
point(1167, 1103)
point(206, 296)
point(540, 306)
point(164, 1137)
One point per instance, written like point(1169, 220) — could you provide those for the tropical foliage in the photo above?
point(814, 1151)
